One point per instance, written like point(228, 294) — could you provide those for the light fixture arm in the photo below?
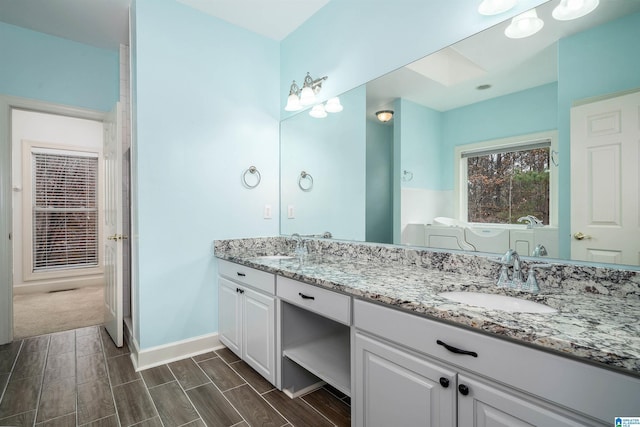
point(314, 84)
point(295, 89)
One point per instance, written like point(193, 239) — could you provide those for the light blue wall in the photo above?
point(207, 109)
point(421, 140)
point(332, 150)
point(354, 41)
point(610, 64)
point(520, 113)
point(43, 67)
point(379, 203)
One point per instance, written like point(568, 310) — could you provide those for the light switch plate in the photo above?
point(291, 214)
point(267, 212)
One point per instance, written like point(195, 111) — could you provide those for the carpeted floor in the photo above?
point(43, 313)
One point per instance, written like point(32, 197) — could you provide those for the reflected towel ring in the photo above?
point(253, 171)
point(554, 157)
point(407, 176)
point(306, 177)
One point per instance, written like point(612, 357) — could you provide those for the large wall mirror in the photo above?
point(494, 142)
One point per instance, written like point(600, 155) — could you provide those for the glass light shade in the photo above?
point(307, 97)
point(495, 7)
point(333, 105)
point(293, 103)
point(384, 115)
point(574, 9)
point(318, 112)
point(524, 25)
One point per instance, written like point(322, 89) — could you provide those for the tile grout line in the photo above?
point(185, 391)
point(13, 365)
point(46, 358)
point(222, 392)
point(153, 402)
point(106, 366)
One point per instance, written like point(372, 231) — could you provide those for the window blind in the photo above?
point(65, 211)
point(521, 146)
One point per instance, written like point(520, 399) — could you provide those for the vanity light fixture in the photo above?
point(574, 9)
point(300, 98)
point(384, 115)
point(293, 101)
point(495, 7)
point(524, 25)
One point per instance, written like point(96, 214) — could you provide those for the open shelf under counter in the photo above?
point(327, 357)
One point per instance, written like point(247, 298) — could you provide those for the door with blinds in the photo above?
point(113, 247)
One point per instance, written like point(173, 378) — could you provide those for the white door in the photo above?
point(396, 388)
point(605, 154)
point(486, 405)
point(113, 310)
point(230, 315)
point(258, 330)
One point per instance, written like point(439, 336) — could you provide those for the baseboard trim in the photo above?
point(292, 395)
point(155, 356)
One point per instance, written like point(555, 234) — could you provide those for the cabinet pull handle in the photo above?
point(444, 382)
point(303, 296)
point(463, 389)
point(240, 274)
point(457, 350)
point(240, 290)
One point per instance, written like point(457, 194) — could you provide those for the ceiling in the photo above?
point(104, 23)
point(448, 78)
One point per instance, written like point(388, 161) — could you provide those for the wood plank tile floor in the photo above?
point(79, 378)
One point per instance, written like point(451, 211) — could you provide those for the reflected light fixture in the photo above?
point(300, 98)
point(384, 115)
point(574, 9)
point(495, 7)
point(524, 25)
point(318, 112)
point(333, 105)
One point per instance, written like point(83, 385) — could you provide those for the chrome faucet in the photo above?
point(301, 247)
point(510, 259)
point(539, 251)
point(532, 221)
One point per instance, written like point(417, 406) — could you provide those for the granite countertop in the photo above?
point(591, 327)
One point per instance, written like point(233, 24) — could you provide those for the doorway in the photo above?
point(57, 182)
point(8, 106)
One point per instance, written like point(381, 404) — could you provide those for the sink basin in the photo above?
point(276, 257)
point(498, 302)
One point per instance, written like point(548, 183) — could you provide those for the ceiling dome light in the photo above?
point(524, 25)
point(318, 112)
point(495, 7)
point(384, 115)
point(333, 105)
point(574, 9)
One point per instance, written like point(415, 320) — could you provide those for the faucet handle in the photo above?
point(531, 285)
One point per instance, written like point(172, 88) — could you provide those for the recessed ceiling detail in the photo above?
point(447, 67)
point(274, 19)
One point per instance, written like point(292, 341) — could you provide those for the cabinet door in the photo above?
point(396, 388)
point(490, 405)
point(259, 333)
point(230, 315)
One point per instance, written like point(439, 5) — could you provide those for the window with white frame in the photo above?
point(65, 219)
point(502, 181)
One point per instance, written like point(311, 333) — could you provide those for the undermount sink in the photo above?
point(498, 302)
point(276, 257)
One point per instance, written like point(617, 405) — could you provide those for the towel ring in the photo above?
point(305, 177)
point(253, 171)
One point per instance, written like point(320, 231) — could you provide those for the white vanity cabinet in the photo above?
point(398, 365)
point(247, 315)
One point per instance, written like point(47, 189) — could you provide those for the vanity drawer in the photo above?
point(326, 303)
point(249, 276)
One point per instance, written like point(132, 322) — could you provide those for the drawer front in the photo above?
point(326, 303)
point(257, 279)
point(587, 389)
